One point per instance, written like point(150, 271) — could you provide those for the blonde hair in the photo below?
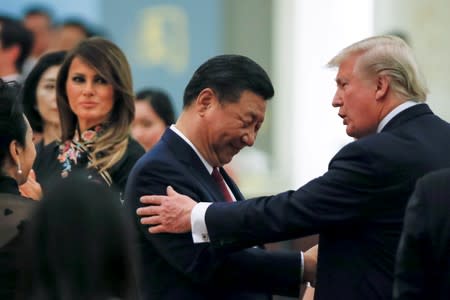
point(391, 56)
point(110, 62)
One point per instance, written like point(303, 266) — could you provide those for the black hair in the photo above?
point(79, 23)
point(229, 76)
point(78, 245)
point(39, 10)
point(12, 123)
point(14, 32)
point(30, 85)
point(160, 102)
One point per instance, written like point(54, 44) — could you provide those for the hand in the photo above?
point(31, 188)
point(171, 213)
point(310, 267)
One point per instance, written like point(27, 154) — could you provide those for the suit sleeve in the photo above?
point(258, 270)
point(341, 196)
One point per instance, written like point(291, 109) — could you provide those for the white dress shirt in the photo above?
point(201, 234)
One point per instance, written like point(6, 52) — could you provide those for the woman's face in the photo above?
point(27, 155)
point(91, 97)
point(46, 96)
point(147, 127)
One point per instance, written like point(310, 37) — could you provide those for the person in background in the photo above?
point(38, 20)
point(78, 245)
point(39, 99)
point(358, 205)
point(153, 114)
point(17, 154)
point(69, 33)
point(16, 43)
point(96, 107)
point(422, 268)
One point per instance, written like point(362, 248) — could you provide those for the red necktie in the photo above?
point(221, 182)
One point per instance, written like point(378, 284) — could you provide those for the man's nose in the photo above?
point(249, 138)
point(337, 100)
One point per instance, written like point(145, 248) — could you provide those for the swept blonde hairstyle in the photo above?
point(391, 56)
point(111, 64)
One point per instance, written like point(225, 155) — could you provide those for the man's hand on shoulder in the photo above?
point(171, 213)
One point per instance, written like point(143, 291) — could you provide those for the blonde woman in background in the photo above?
point(96, 108)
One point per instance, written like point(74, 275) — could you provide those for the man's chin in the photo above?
point(351, 133)
point(226, 159)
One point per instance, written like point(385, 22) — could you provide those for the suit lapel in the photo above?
point(184, 153)
point(408, 114)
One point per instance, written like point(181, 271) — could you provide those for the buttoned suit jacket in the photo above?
point(357, 206)
point(172, 266)
point(423, 262)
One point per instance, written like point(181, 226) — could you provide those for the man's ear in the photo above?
point(205, 99)
point(383, 85)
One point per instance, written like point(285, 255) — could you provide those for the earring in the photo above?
point(19, 170)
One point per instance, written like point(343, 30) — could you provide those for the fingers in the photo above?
point(32, 175)
point(155, 200)
point(156, 222)
point(157, 229)
point(170, 191)
point(152, 220)
point(148, 210)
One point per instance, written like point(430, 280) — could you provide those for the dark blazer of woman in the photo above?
point(14, 210)
point(17, 154)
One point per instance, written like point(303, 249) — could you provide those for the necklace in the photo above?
point(75, 151)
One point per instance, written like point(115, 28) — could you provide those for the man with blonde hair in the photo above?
point(358, 205)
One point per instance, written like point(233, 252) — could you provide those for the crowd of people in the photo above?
point(106, 194)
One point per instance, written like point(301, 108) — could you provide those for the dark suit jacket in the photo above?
point(423, 258)
point(172, 266)
point(357, 206)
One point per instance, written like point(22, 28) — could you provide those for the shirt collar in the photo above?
point(395, 112)
point(181, 135)
point(8, 185)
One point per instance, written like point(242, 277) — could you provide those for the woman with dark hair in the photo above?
point(96, 108)
point(78, 245)
point(17, 154)
point(154, 113)
point(39, 98)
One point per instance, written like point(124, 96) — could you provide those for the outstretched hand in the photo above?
point(171, 213)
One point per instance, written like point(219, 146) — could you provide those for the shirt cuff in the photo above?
point(198, 224)
point(302, 266)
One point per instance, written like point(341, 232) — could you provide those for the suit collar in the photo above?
point(202, 159)
point(408, 114)
point(186, 155)
point(405, 105)
point(182, 150)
